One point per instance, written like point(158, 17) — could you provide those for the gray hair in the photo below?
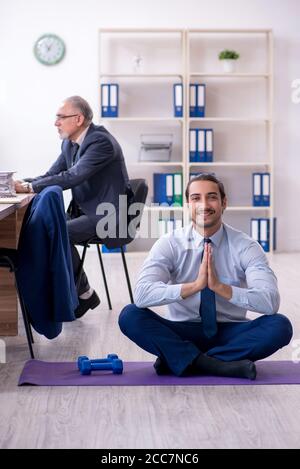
point(83, 106)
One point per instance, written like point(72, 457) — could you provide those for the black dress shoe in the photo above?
point(84, 305)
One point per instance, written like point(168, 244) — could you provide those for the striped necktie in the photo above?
point(207, 309)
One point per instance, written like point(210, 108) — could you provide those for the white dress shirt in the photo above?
point(239, 262)
point(81, 137)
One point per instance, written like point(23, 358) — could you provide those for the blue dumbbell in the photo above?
point(110, 357)
point(115, 365)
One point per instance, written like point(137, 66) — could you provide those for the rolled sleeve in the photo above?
point(157, 294)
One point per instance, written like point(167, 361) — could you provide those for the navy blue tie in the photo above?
point(74, 152)
point(207, 309)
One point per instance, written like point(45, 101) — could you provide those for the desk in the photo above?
point(11, 216)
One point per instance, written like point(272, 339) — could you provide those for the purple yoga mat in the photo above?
point(40, 373)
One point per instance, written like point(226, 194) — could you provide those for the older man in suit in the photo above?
point(92, 165)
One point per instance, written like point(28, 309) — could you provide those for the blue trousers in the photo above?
point(179, 343)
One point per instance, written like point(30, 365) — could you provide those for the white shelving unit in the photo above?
point(259, 72)
point(191, 56)
point(163, 63)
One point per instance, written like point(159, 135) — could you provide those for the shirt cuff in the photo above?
point(172, 292)
point(239, 297)
point(28, 187)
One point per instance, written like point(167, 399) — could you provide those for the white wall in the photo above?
point(30, 93)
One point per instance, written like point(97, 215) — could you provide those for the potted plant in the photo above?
point(228, 58)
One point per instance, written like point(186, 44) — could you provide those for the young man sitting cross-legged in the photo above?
point(209, 275)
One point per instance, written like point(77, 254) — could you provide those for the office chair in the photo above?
point(140, 190)
point(9, 260)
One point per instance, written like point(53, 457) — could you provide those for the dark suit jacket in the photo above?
point(100, 174)
point(45, 274)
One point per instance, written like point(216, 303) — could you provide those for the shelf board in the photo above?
point(229, 164)
point(158, 163)
point(180, 119)
point(189, 30)
point(229, 119)
point(230, 75)
point(225, 31)
point(246, 208)
point(154, 208)
point(142, 119)
point(142, 75)
point(140, 30)
point(232, 208)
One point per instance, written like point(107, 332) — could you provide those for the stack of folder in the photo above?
point(110, 100)
point(197, 100)
point(178, 99)
point(167, 188)
point(261, 189)
point(201, 145)
point(260, 231)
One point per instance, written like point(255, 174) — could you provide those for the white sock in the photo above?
point(87, 294)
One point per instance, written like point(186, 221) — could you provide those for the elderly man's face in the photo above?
point(68, 121)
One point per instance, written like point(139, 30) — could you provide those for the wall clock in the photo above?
point(49, 49)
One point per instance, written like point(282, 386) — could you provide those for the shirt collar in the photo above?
point(81, 137)
point(215, 238)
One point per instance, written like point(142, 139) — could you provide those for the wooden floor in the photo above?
point(149, 417)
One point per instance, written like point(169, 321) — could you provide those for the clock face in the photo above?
point(49, 49)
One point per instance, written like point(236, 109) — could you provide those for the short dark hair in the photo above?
point(83, 106)
point(206, 177)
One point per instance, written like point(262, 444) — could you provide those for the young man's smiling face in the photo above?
point(206, 206)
